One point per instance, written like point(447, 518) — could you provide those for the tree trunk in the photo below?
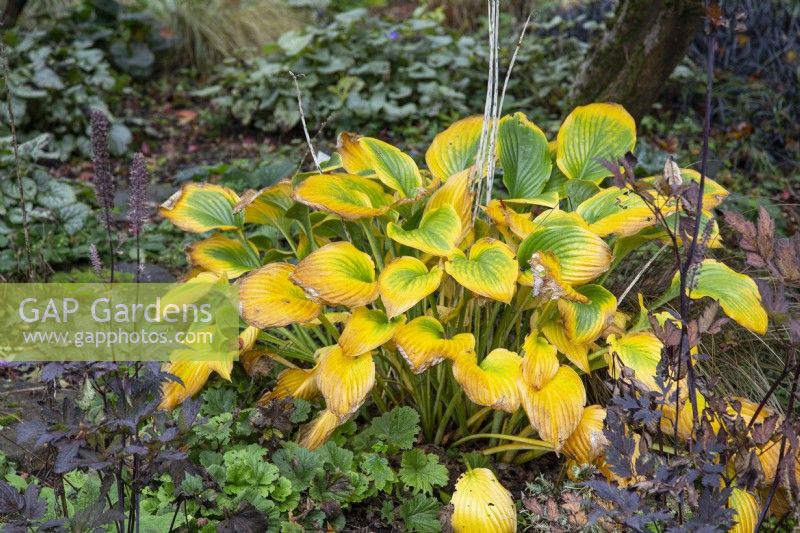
point(635, 57)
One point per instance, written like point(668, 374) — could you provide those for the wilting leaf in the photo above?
point(392, 167)
point(489, 271)
point(454, 149)
point(747, 511)
point(293, 383)
point(368, 329)
point(315, 433)
point(344, 381)
point(268, 298)
point(481, 503)
point(194, 375)
point(199, 207)
point(347, 195)
point(587, 442)
point(338, 274)
point(493, 382)
point(267, 206)
point(438, 233)
point(540, 362)
point(406, 281)
point(593, 133)
point(455, 192)
point(422, 343)
point(555, 410)
point(577, 353)
point(520, 224)
point(586, 321)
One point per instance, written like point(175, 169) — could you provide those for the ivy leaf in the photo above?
point(422, 471)
point(421, 514)
point(379, 471)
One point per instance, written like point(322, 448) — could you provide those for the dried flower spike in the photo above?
point(94, 257)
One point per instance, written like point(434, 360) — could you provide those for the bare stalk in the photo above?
point(303, 122)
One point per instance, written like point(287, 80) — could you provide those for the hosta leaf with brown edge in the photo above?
point(344, 381)
point(222, 255)
point(585, 322)
point(713, 193)
point(193, 376)
point(587, 442)
point(493, 382)
point(455, 149)
point(268, 298)
point(405, 282)
point(367, 330)
point(556, 408)
point(737, 293)
point(519, 224)
point(639, 351)
point(747, 511)
point(489, 271)
point(392, 167)
point(581, 254)
point(338, 274)
point(423, 344)
point(616, 211)
point(545, 277)
point(455, 192)
point(522, 150)
point(293, 383)
point(318, 431)
point(438, 232)
point(201, 207)
point(481, 503)
point(347, 195)
point(540, 362)
point(267, 206)
point(592, 133)
point(577, 353)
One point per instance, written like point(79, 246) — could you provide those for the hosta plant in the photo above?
point(371, 278)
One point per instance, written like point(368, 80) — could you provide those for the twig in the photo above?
point(514, 59)
point(641, 273)
point(14, 143)
point(303, 121)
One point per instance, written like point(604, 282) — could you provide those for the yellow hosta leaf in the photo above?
point(344, 381)
point(368, 329)
point(520, 224)
point(318, 431)
point(616, 211)
point(577, 353)
point(456, 193)
point(555, 410)
point(267, 206)
point(482, 504)
point(546, 279)
point(493, 382)
point(713, 192)
point(540, 363)
point(489, 271)
point(591, 133)
point(248, 338)
point(338, 274)
point(392, 167)
point(587, 442)
point(221, 255)
point(293, 383)
point(422, 343)
point(582, 255)
point(747, 511)
point(640, 351)
point(522, 150)
point(454, 149)
point(438, 233)
point(586, 321)
point(347, 195)
point(201, 207)
point(406, 281)
point(737, 294)
point(194, 375)
point(685, 416)
point(268, 298)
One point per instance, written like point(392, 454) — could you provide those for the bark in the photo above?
point(11, 12)
point(635, 57)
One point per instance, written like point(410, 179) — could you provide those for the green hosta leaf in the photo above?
point(586, 321)
point(489, 271)
point(454, 149)
point(437, 234)
point(522, 148)
point(593, 133)
point(222, 255)
point(395, 169)
point(421, 514)
point(422, 471)
point(737, 293)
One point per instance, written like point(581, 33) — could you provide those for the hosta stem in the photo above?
point(373, 245)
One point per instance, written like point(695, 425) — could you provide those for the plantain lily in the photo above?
point(376, 278)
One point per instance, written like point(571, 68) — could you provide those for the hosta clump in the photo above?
point(370, 277)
